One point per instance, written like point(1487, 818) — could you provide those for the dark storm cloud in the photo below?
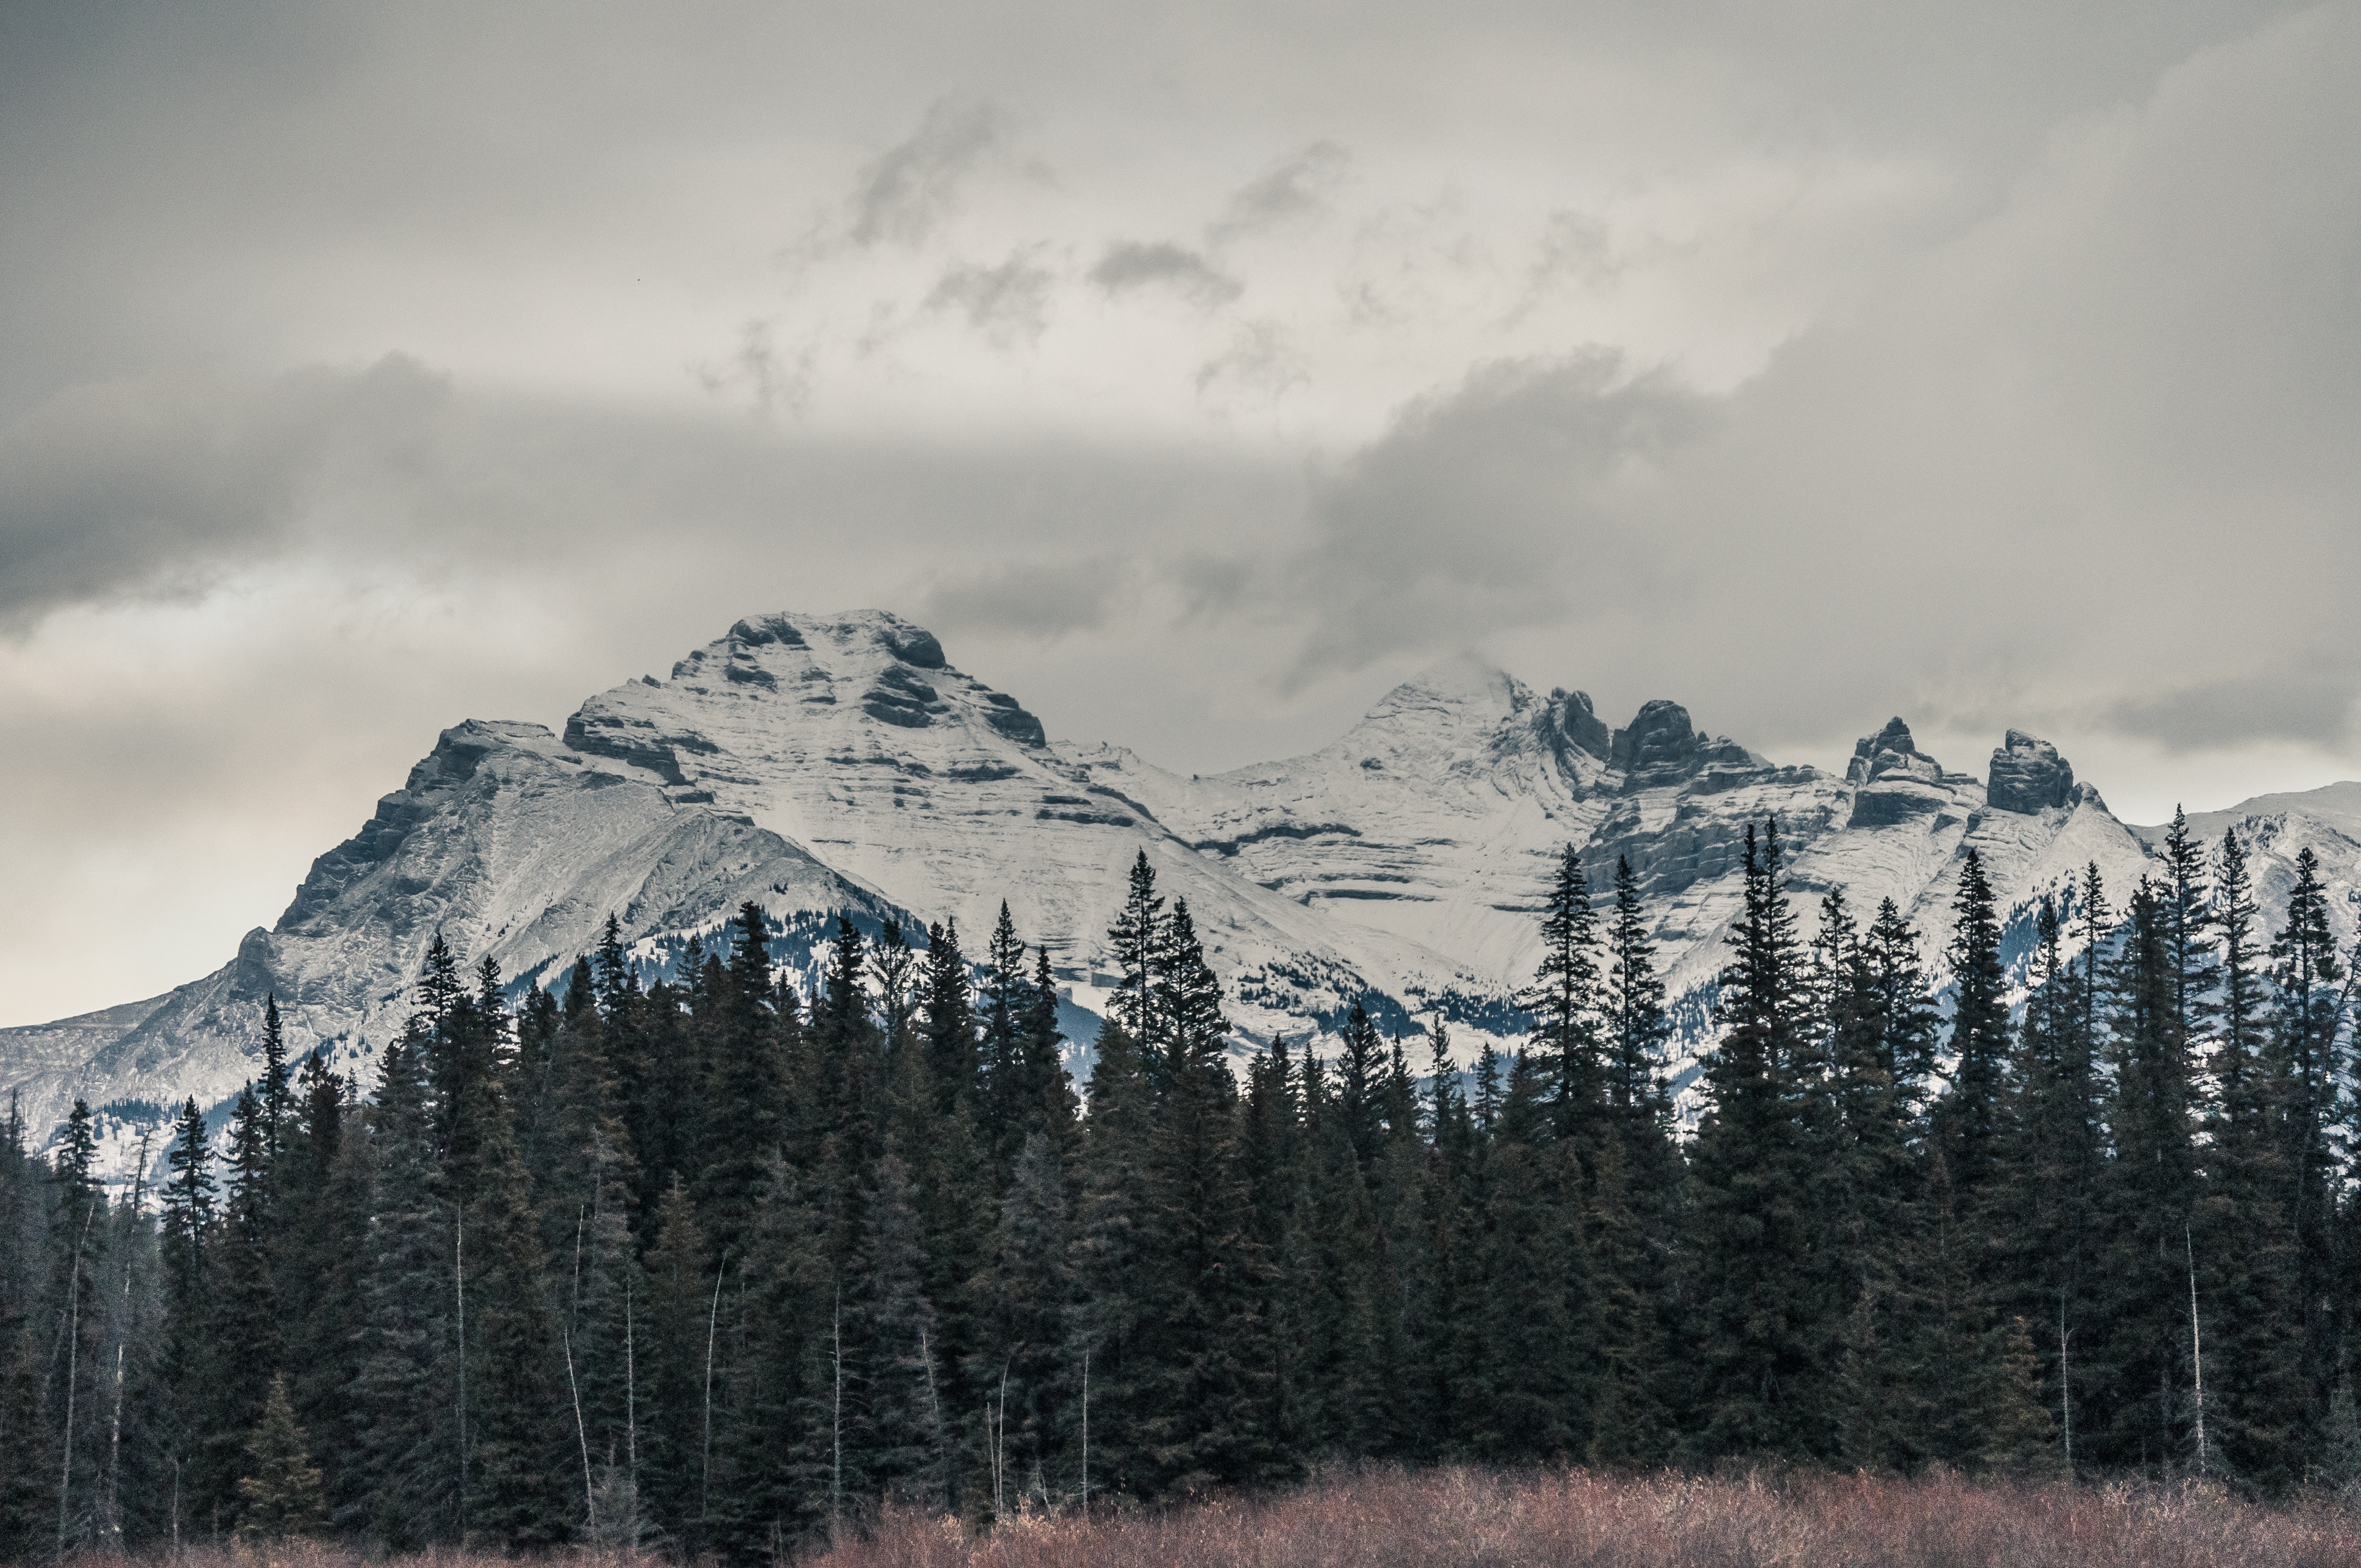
point(906, 192)
point(150, 487)
point(1129, 265)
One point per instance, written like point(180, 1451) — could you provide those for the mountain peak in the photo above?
point(2029, 775)
point(1891, 750)
point(1465, 677)
point(852, 631)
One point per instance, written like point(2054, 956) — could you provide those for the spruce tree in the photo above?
point(896, 1443)
point(1133, 942)
point(746, 1089)
point(2251, 1267)
point(949, 1018)
point(1047, 1090)
point(1534, 1400)
point(1968, 1121)
point(2304, 1065)
point(2138, 1412)
point(1760, 1328)
point(1107, 1351)
point(279, 1496)
point(246, 1340)
point(1360, 1067)
point(1564, 1001)
point(404, 1490)
point(1020, 1366)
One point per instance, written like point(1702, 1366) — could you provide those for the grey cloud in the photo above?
point(1129, 265)
point(1008, 304)
point(2312, 704)
point(906, 192)
point(1300, 187)
point(1042, 599)
point(1515, 499)
point(1577, 249)
point(145, 486)
point(1258, 360)
point(771, 380)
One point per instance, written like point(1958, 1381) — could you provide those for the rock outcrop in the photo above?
point(2029, 775)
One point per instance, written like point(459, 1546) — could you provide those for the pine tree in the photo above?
point(1324, 1306)
point(1762, 1330)
point(78, 1234)
point(896, 1443)
point(277, 1086)
point(746, 1113)
point(2188, 917)
point(2256, 1408)
point(1968, 1121)
point(1003, 999)
point(1360, 1063)
point(2303, 1065)
point(1047, 1090)
point(1107, 1351)
point(948, 1012)
point(2046, 1205)
point(683, 1284)
point(2147, 1190)
point(404, 1490)
point(1637, 1028)
point(280, 1495)
point(1564, 1001)
point(1019, 1367)
point(324, 1188)
point(244, 1339)
point(1133, 942)
point(1533, 1400)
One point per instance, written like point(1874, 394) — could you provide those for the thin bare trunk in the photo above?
point(2196, 1346)
point(122, 1330)
point(2065, 1385)
point(934, 1414)
point(1086, 1432)
point(572, 1387)
point(631, 1386)
point(836, 1421)
point(73, 1349)
point(459, 1287)
point(1000, 1443)
point(712, 1322)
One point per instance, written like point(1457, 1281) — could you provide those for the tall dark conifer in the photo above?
point(1759, 1320)
point(1564, 1001)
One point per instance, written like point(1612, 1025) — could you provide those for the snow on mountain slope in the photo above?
point(853, 736)
point(2275, 829)
point(504, 840)
point(819, 763)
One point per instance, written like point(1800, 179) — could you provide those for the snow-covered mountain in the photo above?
point(818, 765)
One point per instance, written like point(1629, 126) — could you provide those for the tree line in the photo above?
point(711, 1264)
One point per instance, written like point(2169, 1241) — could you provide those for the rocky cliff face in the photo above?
point(815, 764)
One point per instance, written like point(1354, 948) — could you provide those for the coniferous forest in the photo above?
point(713, 1265)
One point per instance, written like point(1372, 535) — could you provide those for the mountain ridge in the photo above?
point(818, 765)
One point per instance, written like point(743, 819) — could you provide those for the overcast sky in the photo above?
point(1195, 371)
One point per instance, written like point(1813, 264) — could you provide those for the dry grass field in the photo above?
point(1473, 1518)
